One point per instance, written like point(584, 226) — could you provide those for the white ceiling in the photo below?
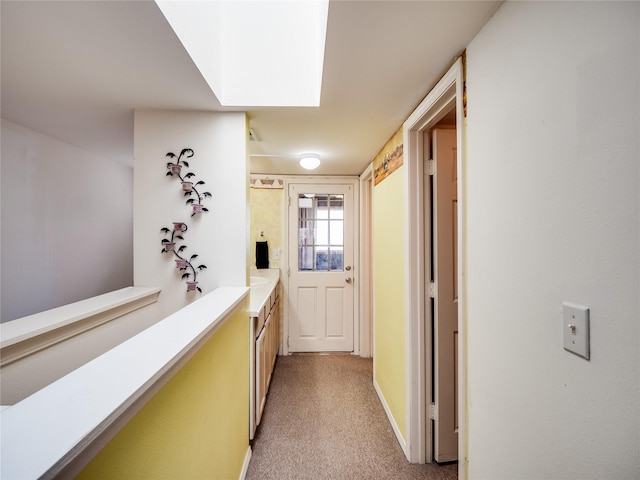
point(76, 70)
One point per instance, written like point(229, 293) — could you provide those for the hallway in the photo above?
point(323, 420)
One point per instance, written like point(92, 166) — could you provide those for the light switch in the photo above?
point(575, 326)
point(276, 254)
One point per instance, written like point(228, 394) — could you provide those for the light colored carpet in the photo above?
point(323, 420)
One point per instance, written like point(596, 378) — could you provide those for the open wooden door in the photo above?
point(445, 335)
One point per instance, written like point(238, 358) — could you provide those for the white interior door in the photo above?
point(445, 211)
point(321, 275)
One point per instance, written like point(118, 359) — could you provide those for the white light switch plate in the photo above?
point(575, 327)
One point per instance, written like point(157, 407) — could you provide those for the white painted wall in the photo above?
point(220, 236)
point(553, 215)
point(66, 223)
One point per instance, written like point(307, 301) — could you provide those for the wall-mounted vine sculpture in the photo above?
point(182, 263)
point(189, 185)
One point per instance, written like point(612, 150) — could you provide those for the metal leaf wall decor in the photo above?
point(183, 263)
point(190, 184)
point(191, 188)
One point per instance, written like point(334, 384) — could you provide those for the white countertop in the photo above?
point(260, 293)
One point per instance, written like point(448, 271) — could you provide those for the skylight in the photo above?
point(255, 53)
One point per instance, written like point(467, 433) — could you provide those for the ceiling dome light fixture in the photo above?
point(310, 161)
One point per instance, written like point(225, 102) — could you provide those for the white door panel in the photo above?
point(321, 253)
point(335, 312)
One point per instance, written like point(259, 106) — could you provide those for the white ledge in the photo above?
point(260, 293)
point(27, 335)
point(57, 430)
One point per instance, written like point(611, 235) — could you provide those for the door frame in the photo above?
point(366, 262)
point(318, 180)
point(447, 94)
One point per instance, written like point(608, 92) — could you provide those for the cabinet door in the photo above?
point(269, 351)
point(261, 365)
point(275, 332)
point(252, 378)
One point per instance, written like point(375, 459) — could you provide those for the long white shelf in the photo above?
point(27, 335)
point(44, 434)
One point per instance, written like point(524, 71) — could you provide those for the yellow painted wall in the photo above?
point(266, 215)
point(389, 290)
point(197, 425)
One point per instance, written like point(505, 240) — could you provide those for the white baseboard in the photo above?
point(245, 464)
point(392, 421)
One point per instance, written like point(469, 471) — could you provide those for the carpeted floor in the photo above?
point(323, 420)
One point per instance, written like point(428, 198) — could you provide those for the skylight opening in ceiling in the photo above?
point(255, 53)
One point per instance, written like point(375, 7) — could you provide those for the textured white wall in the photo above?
point(220, 236)
point(553, 215)
point(66, 223)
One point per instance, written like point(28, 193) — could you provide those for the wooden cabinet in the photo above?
point(267, 345)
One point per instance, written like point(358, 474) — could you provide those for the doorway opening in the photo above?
point(444, 100)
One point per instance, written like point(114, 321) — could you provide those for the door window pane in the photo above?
point(336, 233)
point(320, 232)
point(336, 259)
point(337, 207)
point(322, 206)
point(305, 258)
point(306, 232)
point(322, 258)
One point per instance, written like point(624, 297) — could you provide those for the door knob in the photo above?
point(348, 279)
point(347, 268)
